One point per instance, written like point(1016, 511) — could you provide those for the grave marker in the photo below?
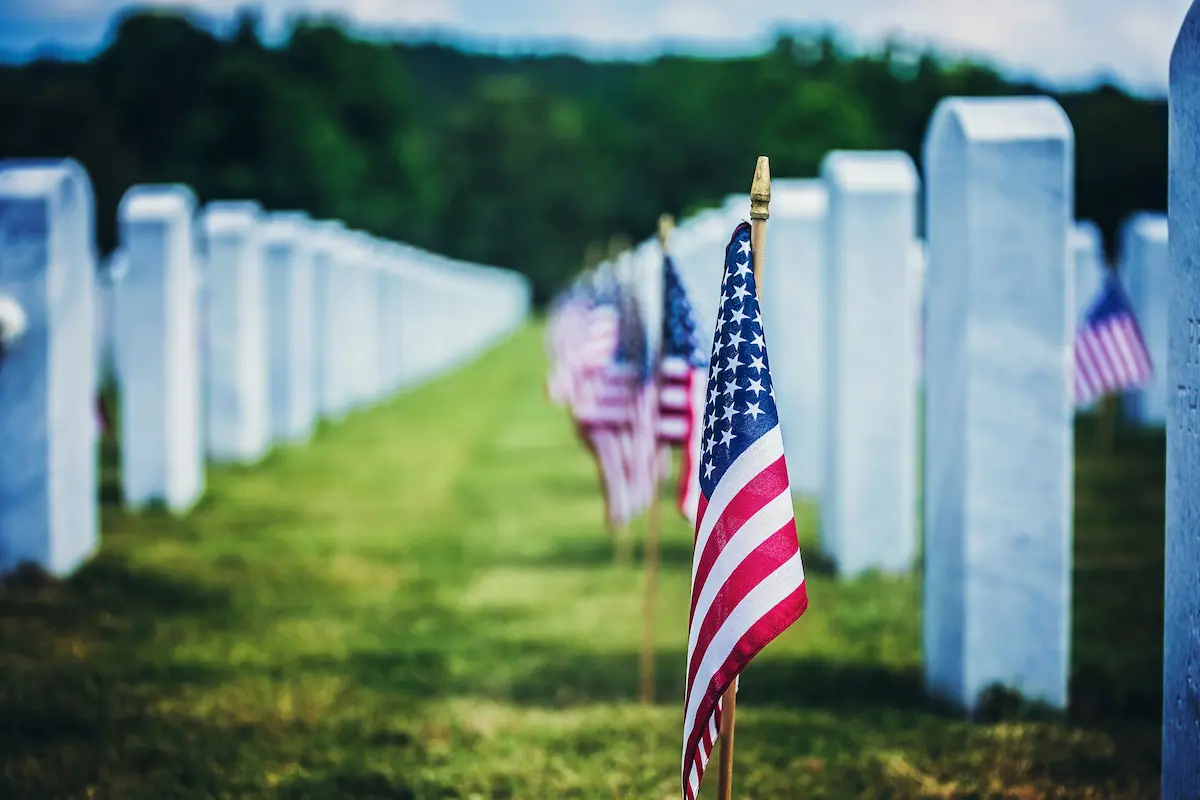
point(291, 304)
point(1144, 273)
point(1181, 640)
point(868, 499)
point(238, 424)
point(998, 409)
point(794, 314)
point(156, 343)
point(48, 464)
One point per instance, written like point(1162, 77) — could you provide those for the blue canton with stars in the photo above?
point(679, 325)
point(741, 400)
point(633, 351)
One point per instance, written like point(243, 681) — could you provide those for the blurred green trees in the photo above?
point(522, 161)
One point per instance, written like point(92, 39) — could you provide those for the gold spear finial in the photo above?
point(760, 190)
point(666, 224)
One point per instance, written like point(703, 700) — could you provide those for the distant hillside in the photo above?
point(519, 162)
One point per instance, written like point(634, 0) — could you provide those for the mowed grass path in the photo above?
point(422, 604)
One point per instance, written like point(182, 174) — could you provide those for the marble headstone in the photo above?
point(156, 339)
point(998, 408)
point(917, 261)
point(48, 463)
point(329, 319)
point(1144, 273)
point(288, 268)
point(238, 409)
point(1181, 639)
point(868, 497)
point(794, 322)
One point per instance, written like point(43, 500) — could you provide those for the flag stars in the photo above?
point(744, 247)
point(756, 387)
point(730, 411)
point(753, 410)
point(743, 270)
point(756, 364)
point(758, 342)
point(708, 469)
point(740, 292)
point(727, 436)
point(737, 316)
point(735, 339)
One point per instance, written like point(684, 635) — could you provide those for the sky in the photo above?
point(1065, 43)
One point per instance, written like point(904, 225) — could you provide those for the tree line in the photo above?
point(525, 162)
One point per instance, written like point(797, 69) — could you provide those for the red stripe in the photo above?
point(742, 506)
point(760, 634)
point(775, 550)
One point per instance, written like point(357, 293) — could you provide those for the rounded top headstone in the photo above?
point(798, 198)
point(1085, 235)
point(156, 202)
point(870, 171)
point(1148, 226)
point(1001, 119)
point(231, 216)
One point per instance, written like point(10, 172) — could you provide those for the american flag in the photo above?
point(1110, 353)
point(616, 413)
point(747, 575)
point(582, 335)
point(681, 387)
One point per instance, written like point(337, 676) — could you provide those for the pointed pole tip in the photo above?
point(666, 224)
point(760, 190)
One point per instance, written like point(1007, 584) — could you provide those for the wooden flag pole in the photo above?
point(653, 532)
point(760, 211)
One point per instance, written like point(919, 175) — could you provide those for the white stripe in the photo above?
point(770, 592)
point(675, 367)
point(749, 464)
point(674, 396)
point(761, 526)
point(1116, 356)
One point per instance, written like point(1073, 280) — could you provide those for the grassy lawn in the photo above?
point(422, 604)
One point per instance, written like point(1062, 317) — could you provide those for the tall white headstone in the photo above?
point(156, 335)
point(795, 318)
point(998, 411)
point(1144, 273)
point(291, 305)
point(238, 391)
point(868, 498)
point(48, 469)
point(1181, 639)
point(917, 261)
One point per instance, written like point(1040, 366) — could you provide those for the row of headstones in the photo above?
point(852, 301)
point(227, 332)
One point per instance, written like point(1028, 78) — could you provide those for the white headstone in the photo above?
point(238, 400)
point(791, 305)
point(868, 497)
point(330, 319)
point(48, 469)
point(1144, 273)
point(156, 335)
point(917, 261)
point(288, 266)
point(1181, 639)
point(360, 273)
point(998, 410)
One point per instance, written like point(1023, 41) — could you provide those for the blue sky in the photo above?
point(1067, 42)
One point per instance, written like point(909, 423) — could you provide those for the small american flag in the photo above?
point(1110, 353)
point(681, 387)
point(747, 575)
point(617, 415)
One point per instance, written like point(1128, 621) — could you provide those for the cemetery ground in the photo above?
point(423, 604)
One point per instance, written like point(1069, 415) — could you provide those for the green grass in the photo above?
point(422, 604)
